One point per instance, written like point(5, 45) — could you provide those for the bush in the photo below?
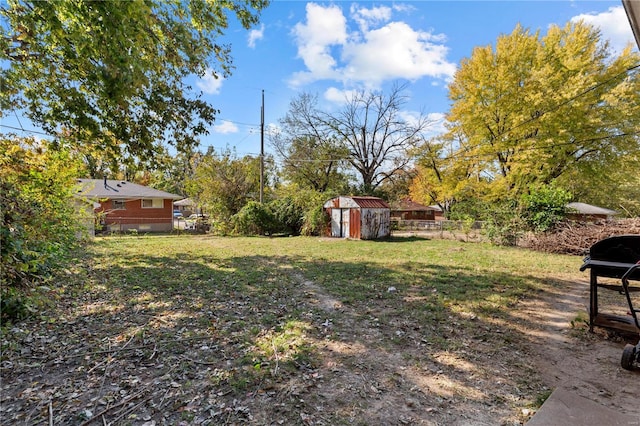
point(503, 225)
point(544, 208)
point(288, 215)
point(315, 221)
point(254, 219)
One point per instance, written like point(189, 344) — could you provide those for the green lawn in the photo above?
point(286, 331)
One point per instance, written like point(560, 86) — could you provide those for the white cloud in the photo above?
point(436, 122)
point(225, 127)
point(613, 24)
point(408, 54)
point(210, 83)
point(255, 35)
point(338, 96)
point(379, 50)
point(366, 17)
point(325, 27)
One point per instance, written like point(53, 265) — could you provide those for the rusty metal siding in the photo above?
point(375, 223)
point(354, 223)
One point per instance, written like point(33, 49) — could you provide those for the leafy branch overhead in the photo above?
point(111, 72)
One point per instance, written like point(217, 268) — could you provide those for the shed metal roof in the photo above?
point(370, 202)
point(356, 201)
point(110, 188)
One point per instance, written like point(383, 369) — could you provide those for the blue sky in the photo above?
point(331, 48)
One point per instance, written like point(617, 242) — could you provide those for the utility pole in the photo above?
point(262, 149)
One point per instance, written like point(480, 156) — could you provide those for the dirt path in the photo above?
point(586, 363)
point(563, 355)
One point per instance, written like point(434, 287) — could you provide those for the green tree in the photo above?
point(301, 209)
point(111, 74)
point(544, 207)
point(445, 180)
point(540, 110)
point(224, 183)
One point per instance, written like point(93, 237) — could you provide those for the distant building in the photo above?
point(582, 212)
point(407, 209)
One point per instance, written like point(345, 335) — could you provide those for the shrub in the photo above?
point(254, 219)
point(288, 215)
point(503, 225)
point(39, 222)
point(544, 208)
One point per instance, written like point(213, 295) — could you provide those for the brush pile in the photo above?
point(576, 237)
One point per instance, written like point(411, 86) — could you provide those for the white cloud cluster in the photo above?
point(210, 83)
point(613, 24)
point(378, 50)
point(225, 127)
point(254, 36)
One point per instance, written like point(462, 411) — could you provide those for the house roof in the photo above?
point(109, 188)
point(186, 202)
point(410, 205)
point(583, 208)
point(632, 7)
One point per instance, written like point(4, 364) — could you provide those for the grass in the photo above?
point(233, 317)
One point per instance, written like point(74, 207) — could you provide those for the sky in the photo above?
point(329, 49)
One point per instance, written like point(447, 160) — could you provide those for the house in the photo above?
point(363, 218)
point(186, 206)
point(437, 212)
point(407, 209)
point(123, 206)
point(582, 212)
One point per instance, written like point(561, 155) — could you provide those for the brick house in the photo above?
point(407, 209)
point(124, 206)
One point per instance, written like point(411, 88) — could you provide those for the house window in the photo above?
point(118, 204)
point(152, 203)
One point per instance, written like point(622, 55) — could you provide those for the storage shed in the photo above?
point(364, 218)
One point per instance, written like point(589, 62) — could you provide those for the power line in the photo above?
point(35, 132)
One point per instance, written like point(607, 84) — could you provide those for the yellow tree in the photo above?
point(539, 110)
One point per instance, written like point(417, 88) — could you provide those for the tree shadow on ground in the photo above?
point(201, 338)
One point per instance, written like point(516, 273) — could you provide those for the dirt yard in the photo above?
point(368, 366)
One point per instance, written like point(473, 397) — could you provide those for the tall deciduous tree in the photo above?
point(112, 73)
point(377, 134)
point(312, 156)
point(370, 133)
point(540, 110)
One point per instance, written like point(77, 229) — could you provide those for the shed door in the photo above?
point(336, 222)
point(344, 231)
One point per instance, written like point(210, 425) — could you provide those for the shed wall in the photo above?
point(375, 223)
